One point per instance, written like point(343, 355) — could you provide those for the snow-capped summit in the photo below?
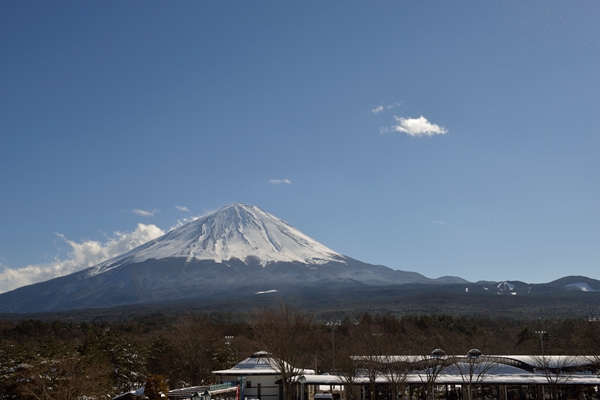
point(237, 251)
point(237, 231)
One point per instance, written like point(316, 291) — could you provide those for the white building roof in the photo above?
point(260, 363)
point(494, 369)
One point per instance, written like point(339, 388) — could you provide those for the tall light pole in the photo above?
point(377, 336)
point(230, 358)
point(333, 325)
point(541, 333)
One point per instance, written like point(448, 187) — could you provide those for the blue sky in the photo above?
point(446, 138)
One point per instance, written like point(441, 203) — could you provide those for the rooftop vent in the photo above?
point(474, 353)
point(438, 353)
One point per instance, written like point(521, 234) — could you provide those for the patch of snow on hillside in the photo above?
point(506, 286)
point(267, 291)
point(584, 287)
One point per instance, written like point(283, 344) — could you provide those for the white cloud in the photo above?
point(377, 109)
point(183, 221)
point(418, 127)
point(81, 255)
point(182, 208)
point(438, 222)
point(280, 181)
point(145, 213)
point(381, 107)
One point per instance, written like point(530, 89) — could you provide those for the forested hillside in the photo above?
point(99, 359)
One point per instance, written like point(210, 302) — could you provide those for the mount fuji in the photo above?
point(240, 232)
point(237, 250)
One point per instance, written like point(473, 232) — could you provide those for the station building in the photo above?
point(427, 377)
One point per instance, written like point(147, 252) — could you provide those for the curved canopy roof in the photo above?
point(259, 363)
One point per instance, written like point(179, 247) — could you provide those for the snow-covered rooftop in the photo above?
point(505, 369)
point(260, 363)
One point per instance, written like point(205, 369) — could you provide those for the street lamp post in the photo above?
point(333, 325)
point(377, 336)
point(541, 333)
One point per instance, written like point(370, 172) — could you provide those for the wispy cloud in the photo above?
point(418, 127)
point(380, 108)
point(438, 222)
point(145, 213)
point(182, 208)
point(81, 255)
point(186, 220)
point(280, 181)
point(183, 221)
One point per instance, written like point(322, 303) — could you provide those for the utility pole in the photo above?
point(541, 333)
point(377, 336)
point(333, 325)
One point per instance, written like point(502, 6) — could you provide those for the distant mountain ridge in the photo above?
point(237, 251)
point(234, 249)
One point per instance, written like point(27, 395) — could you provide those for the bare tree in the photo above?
point(289, 336)
point(347, 365)
point(594, 363)
point(429, 368)
point(65, 378)
point(397, 368)
point(395, 372)
point(156, 387)
point(557, 370)
point(591, 340)
point(195, 343)
point(370, 366)
point(367, 338)
point(473, 368)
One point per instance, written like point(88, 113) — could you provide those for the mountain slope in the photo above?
point(239, 249)
point(176, 279)
point(238, 231)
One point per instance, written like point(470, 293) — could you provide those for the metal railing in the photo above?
point(221, 386)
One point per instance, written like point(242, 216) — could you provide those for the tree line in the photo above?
point(65, 360)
